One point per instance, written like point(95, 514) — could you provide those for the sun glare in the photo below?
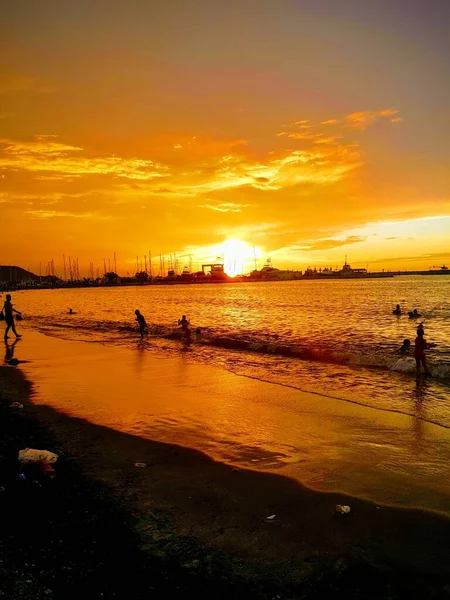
point(238, 256)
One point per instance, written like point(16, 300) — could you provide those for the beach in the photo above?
point(195, 516)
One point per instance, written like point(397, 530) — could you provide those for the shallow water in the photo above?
point(335, 337)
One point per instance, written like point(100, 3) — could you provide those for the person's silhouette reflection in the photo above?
point(9, 353)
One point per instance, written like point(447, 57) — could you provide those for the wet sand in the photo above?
point(200, 523)
point(327, 444)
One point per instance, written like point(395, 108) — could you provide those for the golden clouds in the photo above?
point(43, 154)
point(190, 167)
point(364, 119)
point(218, 185)
point(225, 207)
point(48, 214)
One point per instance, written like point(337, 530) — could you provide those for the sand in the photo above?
point(187, 509)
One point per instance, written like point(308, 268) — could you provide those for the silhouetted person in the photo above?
point(420, 345)
point(405, 348)
point(185, 329)
point(420, 327)
point(9, 354)
point(397, 310)
point(142, 323)
point(70, 311)
point(414, 314)
point(9, 311)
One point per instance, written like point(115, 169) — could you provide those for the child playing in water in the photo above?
point(142, 324)
point(420, 345)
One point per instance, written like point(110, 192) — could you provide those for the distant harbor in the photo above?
point(13, 277)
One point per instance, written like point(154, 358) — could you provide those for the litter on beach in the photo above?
point(271, 518)
point(16, 405)
point(141, 465)
point(342, 509)
point(32, 455)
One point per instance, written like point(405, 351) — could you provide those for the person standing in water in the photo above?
point(420, 345)
point(185, 329)
point(142, 323)
point(183, 321)
point(9, 309)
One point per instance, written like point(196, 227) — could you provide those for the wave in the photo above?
point(380, 357)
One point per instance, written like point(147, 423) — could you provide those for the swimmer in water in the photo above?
point(142, 323)
point(405, 348)
point(420, 327)
point(397, 310)
point(414, 314)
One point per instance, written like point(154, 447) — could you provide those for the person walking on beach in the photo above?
point(142, 323)
point(9, 309)
point(420, 345)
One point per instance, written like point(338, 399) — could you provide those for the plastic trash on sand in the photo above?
point(342, 509)
point(141, 465)
point(16, 405)
point(271, 518)
point(32, 455)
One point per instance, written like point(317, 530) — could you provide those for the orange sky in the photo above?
point(307, 129)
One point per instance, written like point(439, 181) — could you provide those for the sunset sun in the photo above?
point(238, 256)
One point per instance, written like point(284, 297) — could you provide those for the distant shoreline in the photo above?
point(8, 286)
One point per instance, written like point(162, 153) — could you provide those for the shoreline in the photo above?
point(214, 525)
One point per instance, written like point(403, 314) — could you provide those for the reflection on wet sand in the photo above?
point(326, 444)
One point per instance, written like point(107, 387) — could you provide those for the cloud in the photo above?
point(44, 154)
point(225, 207)
point(330, 122)
point(200, 166)
point(364, 119)
point(438, 256)
point(48, 214)
point(329, 244)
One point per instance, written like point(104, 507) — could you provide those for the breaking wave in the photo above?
point(383, 356)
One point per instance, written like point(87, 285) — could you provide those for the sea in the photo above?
point(337, 338)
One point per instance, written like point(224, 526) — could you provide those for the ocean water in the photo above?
point(336, 338)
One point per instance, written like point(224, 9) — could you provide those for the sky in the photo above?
point(297, 130)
